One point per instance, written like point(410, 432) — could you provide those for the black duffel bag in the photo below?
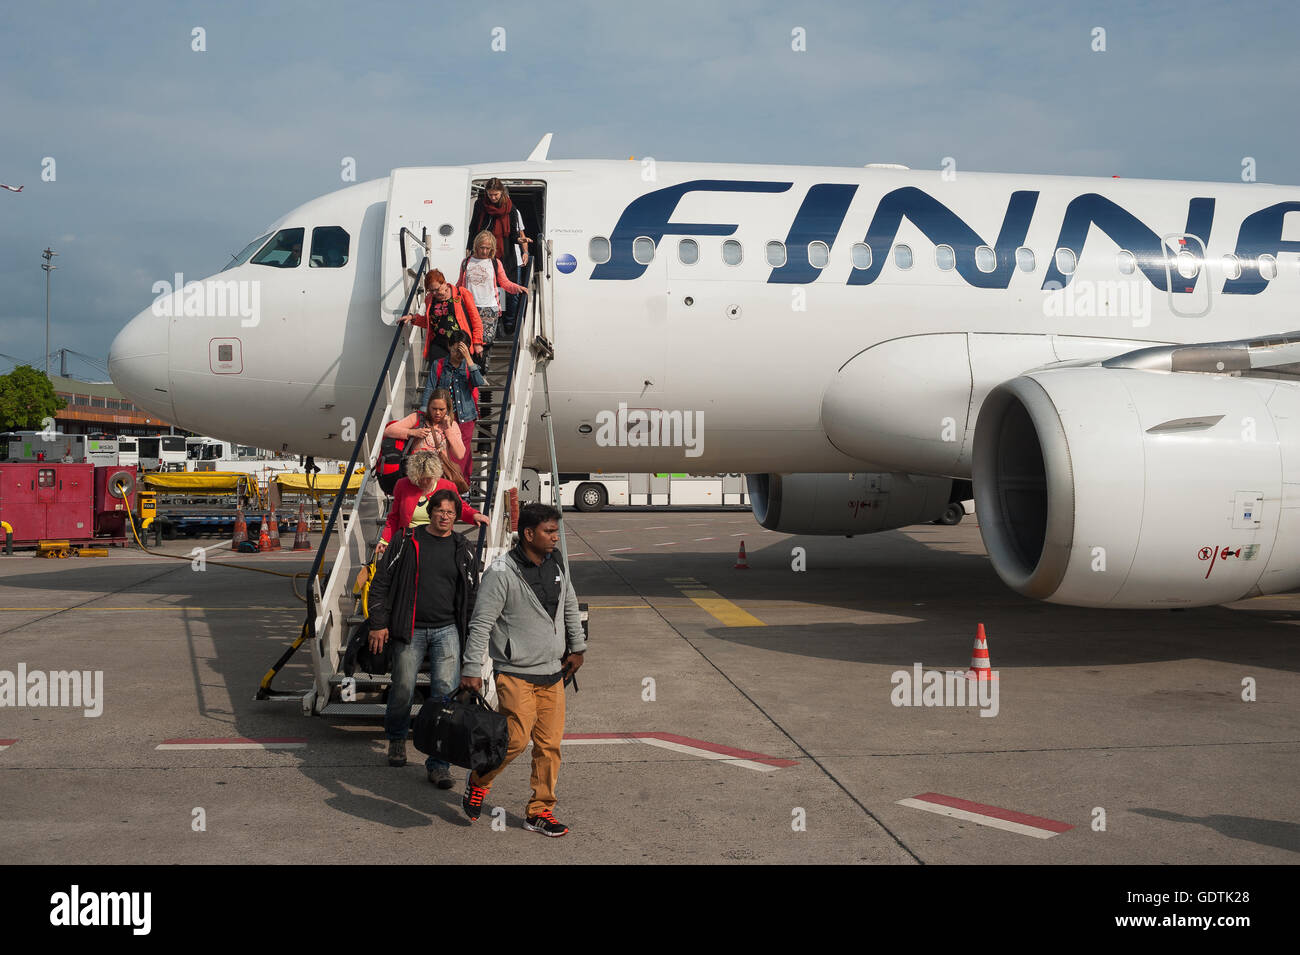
point(466, 733)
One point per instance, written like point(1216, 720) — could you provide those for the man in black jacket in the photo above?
point(422, 597)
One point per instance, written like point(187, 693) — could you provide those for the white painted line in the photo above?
point(705, 539)
point(225, 544)
point(657, 527)
point(741, 534)
point(595, 742)
point(983, 820)
point(666, 543)
point(581, 553)
point(706, 754)
point(612, 530)
point(613, 550)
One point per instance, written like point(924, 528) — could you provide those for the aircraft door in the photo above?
point(1189, 289)
point(433, 199)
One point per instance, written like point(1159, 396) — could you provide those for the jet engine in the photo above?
point(1119, 486)
point(861, 503)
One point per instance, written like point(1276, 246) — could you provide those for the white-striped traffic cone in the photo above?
point(980, 668)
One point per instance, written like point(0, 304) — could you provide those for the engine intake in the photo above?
point(1103, 487)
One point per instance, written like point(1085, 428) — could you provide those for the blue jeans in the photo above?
point(442, 645)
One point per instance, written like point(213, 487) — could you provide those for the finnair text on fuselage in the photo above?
point(826, 205)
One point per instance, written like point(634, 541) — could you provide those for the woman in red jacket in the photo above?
point(411, 496)
point(447, 308)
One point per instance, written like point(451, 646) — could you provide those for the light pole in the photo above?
point(48, 255)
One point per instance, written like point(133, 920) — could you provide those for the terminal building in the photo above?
point(99, 408)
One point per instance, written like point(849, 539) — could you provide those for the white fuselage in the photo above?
point(788, 367)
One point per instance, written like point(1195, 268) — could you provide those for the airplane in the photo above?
point(1105, 360)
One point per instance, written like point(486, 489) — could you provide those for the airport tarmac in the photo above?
point(724, 716)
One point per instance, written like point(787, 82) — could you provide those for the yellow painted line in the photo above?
point(719, 607)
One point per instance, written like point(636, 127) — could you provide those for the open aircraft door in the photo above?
point(436, 199)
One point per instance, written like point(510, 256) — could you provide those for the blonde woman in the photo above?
point(413, 494)
point(484, 277)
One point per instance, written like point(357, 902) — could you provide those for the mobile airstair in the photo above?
point(516, 369)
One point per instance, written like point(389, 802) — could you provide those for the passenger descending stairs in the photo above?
point(514, 366)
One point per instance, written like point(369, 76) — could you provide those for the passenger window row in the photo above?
point(945, 257)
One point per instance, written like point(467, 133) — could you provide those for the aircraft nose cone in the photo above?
point(137, 363)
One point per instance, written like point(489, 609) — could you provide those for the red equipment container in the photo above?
point(46, 500)
point(115, 487)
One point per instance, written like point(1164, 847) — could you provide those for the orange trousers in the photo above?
point(537, 713)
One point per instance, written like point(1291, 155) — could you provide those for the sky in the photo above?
point(168, 159)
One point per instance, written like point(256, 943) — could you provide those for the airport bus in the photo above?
point(128, 452)
point(162, 452)
point(593, 492)
point(56, 446)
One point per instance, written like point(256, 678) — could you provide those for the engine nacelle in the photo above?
point(861, 503)
point(1117, 487)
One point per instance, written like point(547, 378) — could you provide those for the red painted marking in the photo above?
point(7, 742)
point(690, 741)
point(1038, 822)
point(242, 739)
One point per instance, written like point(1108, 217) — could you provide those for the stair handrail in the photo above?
point(314, 593)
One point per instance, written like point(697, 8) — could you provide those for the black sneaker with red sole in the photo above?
point(546, 824)
point(472, 801)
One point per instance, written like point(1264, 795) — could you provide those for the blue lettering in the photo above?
point(649, 215)
point(1128, 232)
point(1261, 232)
point(943, 227)
point(818, 219)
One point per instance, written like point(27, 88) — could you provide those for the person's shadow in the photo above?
point(1264, 832)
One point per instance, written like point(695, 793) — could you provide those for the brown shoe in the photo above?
point(397, 752)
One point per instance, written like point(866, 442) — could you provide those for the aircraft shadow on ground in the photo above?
point(937, 599)
point(1264, 832)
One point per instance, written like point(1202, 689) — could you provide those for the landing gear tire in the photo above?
point(952, 515)
point(590, 497)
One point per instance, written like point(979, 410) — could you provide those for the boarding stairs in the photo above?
point(515, 367)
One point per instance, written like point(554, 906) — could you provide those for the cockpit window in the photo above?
point(284, 251)
point(247, 251)
point(329, 247)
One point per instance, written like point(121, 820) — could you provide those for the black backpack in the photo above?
point(358, 656)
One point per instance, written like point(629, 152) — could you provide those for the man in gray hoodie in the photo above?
point(526, 618)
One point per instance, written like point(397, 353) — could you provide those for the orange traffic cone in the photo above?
point(300, 539)
point(980, 668)
point(274, 531)
point(241, 530)
point(742, 562)
point(263, 538)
